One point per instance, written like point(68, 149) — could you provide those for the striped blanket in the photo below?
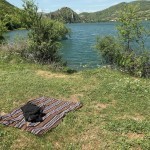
point(54, 109)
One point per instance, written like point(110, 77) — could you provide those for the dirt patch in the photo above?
point(17, 103)
point(2, 113)
point(99, 106)
point(135, 136)
point(91, 145)
point(89, 135)
point(102, 106)
point(136, 117)
point(90, 139)
point(57, 145)
point(47, 74)
point(75, 97)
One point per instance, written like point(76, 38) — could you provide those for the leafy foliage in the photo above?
point(6, 7)
point(130, 28)
point(121, 52)
point(2, 30)
point(10, 15)
point(115, 54)
point(109, 48)
point(44, 35)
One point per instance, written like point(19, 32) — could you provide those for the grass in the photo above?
point(115, 112)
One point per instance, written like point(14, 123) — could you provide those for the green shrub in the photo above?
point(137, 65)
point(120, 52)
point(108, 48)
point(44, 36)
point(2, 30)
point(44, 42)
point(130, 28)
point(115, 54)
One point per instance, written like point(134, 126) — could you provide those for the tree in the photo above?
point(124, 54)
point(44, 35)
point(13, 20)
point(130, 27)
point(3, 28)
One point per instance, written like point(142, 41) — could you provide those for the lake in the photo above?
point(79, 50)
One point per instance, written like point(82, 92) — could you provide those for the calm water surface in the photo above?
point(79, 50)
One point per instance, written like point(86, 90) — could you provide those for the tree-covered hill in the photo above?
point(111, 13)
point(6, 7)
point(10, 15)
point(65, 14)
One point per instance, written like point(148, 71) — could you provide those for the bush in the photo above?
point(2, 30)
point(13, 52)
point(109, 48)
point(44, 42)
point(114, 53)
point(130, 28)
point(44, 36)
point(120, 51)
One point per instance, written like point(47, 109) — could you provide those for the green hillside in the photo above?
point(111, 13)
point(10, 14)
point(6, 7)
point(66, 15)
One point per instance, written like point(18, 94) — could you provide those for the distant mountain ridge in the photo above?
point(67, 15)
point(111, 13)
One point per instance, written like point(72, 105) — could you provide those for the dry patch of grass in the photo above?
point(133, 136)
point(2, 113)
point(101, 106)
point(22, 142)
point(48, 74)
point(90, 139)
point(75, 97)
point(136, 117)
point(57, 145)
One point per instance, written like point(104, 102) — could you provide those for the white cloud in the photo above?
point(77, 11)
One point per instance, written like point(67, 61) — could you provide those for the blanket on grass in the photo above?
point(54, 111)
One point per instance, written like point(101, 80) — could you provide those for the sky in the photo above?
point(77, 5)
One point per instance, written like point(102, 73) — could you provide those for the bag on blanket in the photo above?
point(32, 112)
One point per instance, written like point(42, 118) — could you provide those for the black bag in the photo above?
point(32, 112)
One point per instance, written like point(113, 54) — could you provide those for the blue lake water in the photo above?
point(79, 50)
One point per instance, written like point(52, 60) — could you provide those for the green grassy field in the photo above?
point(115, 112)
